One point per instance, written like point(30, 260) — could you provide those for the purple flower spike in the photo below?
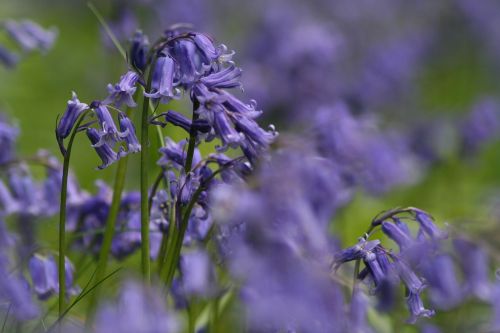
point(416, 308)
point(128, 134)
point(162, 85)
point(43, 271)
point(30, 36)
point(123, 91)
point(68, 119)
point(138, 50)
point(429, 227)
point(104, 150)
point(396, 234)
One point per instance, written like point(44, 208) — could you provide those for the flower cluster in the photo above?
point(421, 262)
point(111, 142)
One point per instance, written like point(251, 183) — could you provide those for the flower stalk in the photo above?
point(62, 214)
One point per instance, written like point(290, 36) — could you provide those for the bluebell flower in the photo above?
point(185, 53)
point(358, 251)
point(44, 275)
point(14, 291)
point(25, 190)
point(416, 308)
point(358, 312)
point(178, 119)
point(226, 78)
point(210, 52)
point(224, 128)
point(139, 47)
point(69, 117)
point(123, 91)
point(474, 263)
point(428, 226)
point(398, 235)
point(128, 134)
point(162, 84)
point(160, 212)
point(8, 138)
point(139, 308)
point(8, 203)
point(408, 276)
point(30, 36)
point(109, 133)
point(481, 125)
point(8, 58)
point(253, 131)
point(103, 149)
point(439, 272)
point(127, 236)
point(197, 273)
point(173, 153)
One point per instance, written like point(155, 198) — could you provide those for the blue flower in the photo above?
point(398, 235)
point(102, 148)
point(109, 133)
point(138, 50)
point(123, 91)
point(416, 308)
point(428, 226)
point(128, 134)
point(44, 275)
point(30, 36)
point(69, 117)
point(7, 58)
point(15, 291)
point(139, 309)
point(474, 263)
point(162, 84)
point(226, 78)
point(439, 272)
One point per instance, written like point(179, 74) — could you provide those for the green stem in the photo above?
point(145, 261)
point(62, 214)
point(178, 226)
point(109, 231)
point(192, 139)
point(175, 245)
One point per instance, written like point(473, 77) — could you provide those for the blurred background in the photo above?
point(413, 83)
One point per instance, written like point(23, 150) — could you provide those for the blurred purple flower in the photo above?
point(138, 309)
point(30, 36)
